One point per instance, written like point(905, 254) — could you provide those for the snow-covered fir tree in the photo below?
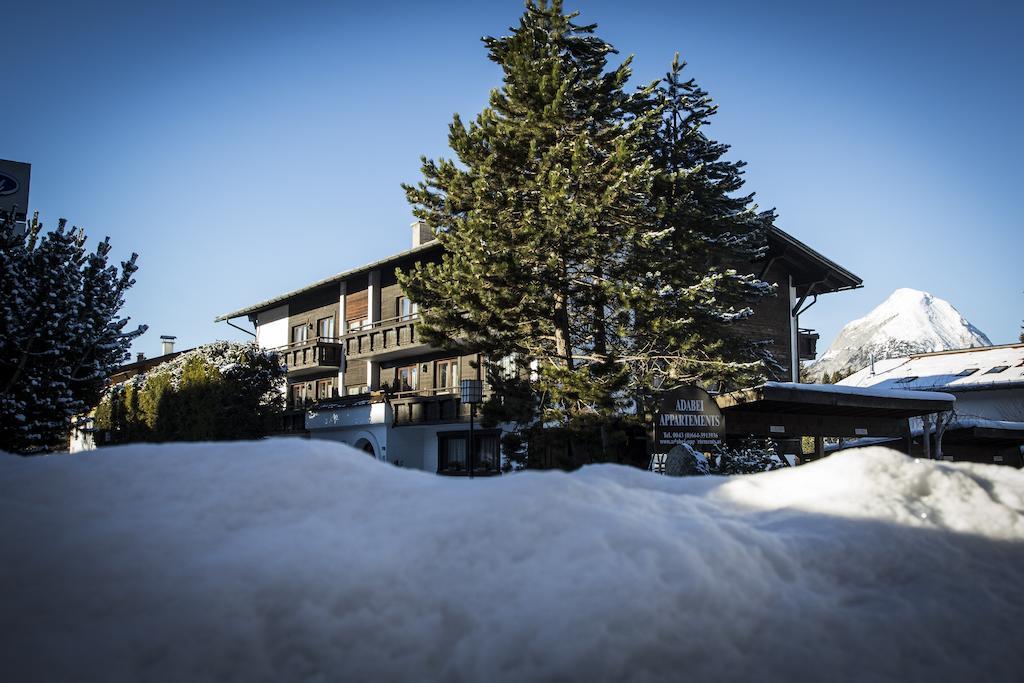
point(60, 330)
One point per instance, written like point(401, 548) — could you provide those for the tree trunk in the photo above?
point(563, 346)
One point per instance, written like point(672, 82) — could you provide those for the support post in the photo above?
point(926, 436)
point(472, 414)
point(819, 447)
point(910, 439)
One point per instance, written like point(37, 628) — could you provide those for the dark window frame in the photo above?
point(480, 438)
point(399, 386)
point(451, 364)
point(319, 322)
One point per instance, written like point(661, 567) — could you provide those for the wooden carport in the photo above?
point(787, 410)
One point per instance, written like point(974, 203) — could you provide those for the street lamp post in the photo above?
point(471, 391)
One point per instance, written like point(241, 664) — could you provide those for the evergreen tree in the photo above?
point(693, 280)
point(592, 237)
point(535, 218)
point(60, 334)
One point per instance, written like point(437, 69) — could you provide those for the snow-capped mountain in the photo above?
point(909, 321)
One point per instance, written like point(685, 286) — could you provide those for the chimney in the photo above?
point(139, 357)
point(421, 233)
point(167, 341)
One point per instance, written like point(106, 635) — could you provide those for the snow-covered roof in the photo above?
point(959, 370)
point(874, 392)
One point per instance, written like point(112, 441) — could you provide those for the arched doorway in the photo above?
point(366, 447)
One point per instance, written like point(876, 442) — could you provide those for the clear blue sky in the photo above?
point(246, 148)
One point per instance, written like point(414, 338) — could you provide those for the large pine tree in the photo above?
point(591, 234)
point(692, 272)
point(546, 197)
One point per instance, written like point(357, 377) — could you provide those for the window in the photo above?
point(966, 373)
point(324, 389)
point(406, 378)
point(405, 309)
point(356, 389)
point(299, 395)
point(300, 333)
point(453, 447)
point(356, 324)
point(906, 380)
point(325, 327)
point(446, 376)
point(997, 369)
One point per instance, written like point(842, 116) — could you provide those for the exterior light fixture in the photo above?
point(471, 391)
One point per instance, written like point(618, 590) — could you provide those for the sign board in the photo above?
point(688, 415)
point(14, 179)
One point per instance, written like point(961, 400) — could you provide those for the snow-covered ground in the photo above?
point(294, 560)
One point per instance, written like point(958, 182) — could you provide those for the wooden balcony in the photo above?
point(313, 355)
point(428, 407)
point(393, 337)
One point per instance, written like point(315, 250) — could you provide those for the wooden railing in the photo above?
point(381, 336)
point(429, 406)
point(316, 353)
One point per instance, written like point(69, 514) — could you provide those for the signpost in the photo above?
point(687, 415)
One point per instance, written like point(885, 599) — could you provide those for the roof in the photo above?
point(947, 370)
point(127, 370)
point(833, 400)
point(994, 433)
point(337, 278)
point(811, 268)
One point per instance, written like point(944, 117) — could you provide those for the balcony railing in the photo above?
point(430, 406)
point(382, 336)
point(319, 353)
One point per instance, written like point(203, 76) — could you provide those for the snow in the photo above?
point(909, 321)
point(862, 391)
point(288, 560)
point(943, 370)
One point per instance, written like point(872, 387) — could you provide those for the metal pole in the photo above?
point(472, 414)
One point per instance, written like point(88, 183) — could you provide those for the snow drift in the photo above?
point(296, 560)
point(909, 321)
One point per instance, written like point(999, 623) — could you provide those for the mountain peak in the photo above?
point(909, 321)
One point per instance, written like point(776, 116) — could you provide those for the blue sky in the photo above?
point(246, 148)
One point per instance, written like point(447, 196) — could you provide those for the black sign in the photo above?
point(8, 184)
point(688, 415)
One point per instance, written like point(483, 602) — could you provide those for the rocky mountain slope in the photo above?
point(909, 321)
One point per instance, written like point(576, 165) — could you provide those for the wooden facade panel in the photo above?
point(357, 305)
point(355, 374)
point(389, 295)
point(771, 320)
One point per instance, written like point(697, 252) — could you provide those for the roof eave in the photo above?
point(278, 300)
